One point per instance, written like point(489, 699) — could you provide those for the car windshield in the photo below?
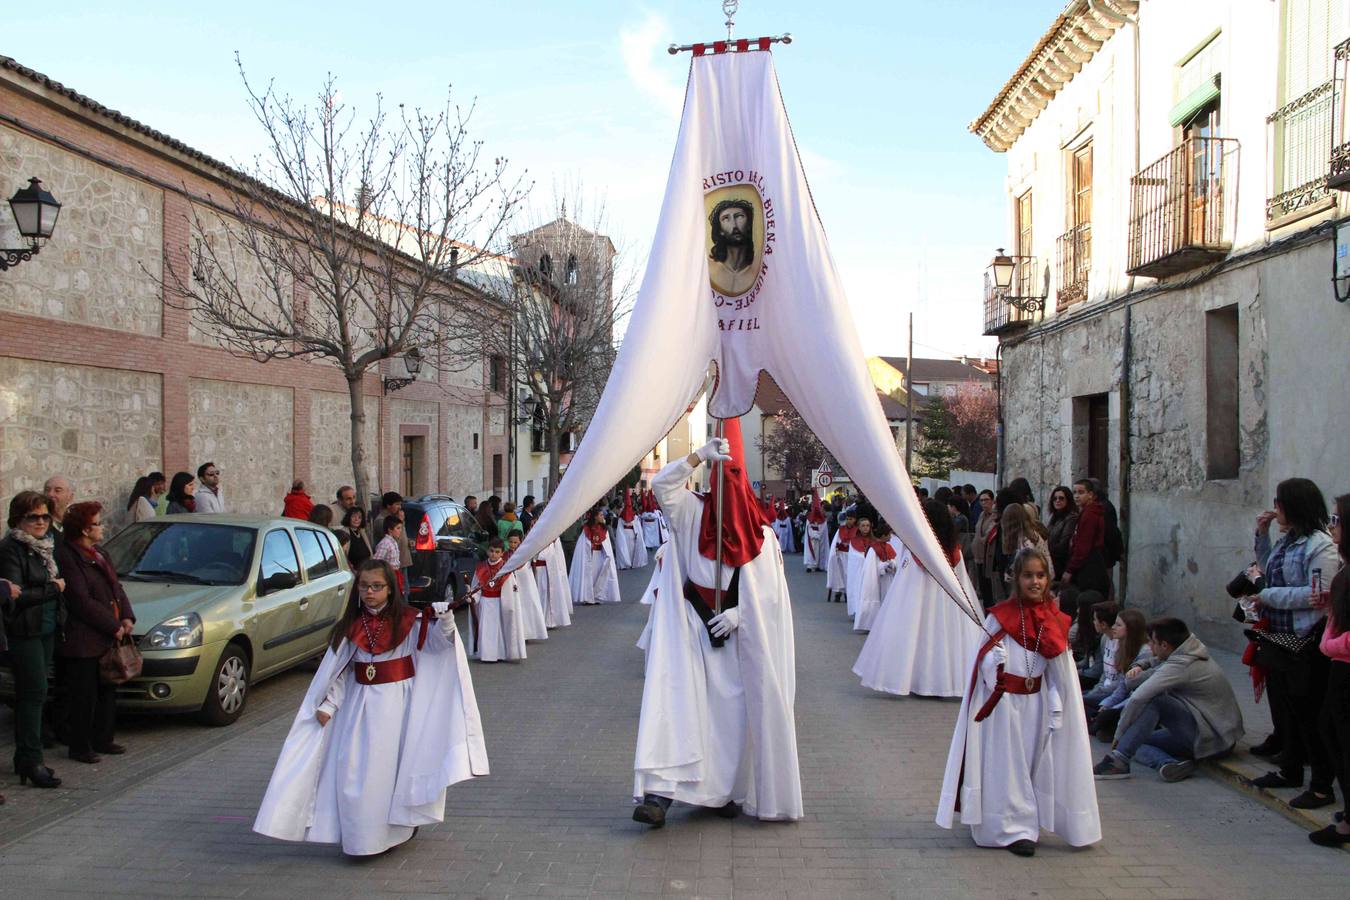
point(183, 552)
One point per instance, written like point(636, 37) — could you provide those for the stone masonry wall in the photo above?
point(110, 227)
point(98, 427)
point(246, 429)
point(330, 445)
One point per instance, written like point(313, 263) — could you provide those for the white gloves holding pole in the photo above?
point(716, 450)
point(725, 622)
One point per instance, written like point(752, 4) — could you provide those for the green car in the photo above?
point(222, 602)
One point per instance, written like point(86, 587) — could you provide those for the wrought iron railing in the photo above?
point(1300, 138)
point(1339, 169)
point(1073, 252)
point(1182, 208)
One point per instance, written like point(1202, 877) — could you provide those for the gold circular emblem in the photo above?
point(370, 672)
point(1031, 682)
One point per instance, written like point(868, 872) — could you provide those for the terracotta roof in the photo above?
point(926, 370)
point(769, 397)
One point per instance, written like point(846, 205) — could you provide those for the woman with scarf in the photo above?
point(32, 621)
point(182, 489)
point(390, 721)
point(509, 522)
point(1020, 759)
point(98, 615)
point(593, 577)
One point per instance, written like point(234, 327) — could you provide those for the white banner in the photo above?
point(740, 274)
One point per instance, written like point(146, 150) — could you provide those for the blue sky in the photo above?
point(880, 94)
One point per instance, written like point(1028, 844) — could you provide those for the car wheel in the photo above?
point(228, 692)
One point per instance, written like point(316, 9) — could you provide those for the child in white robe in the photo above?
point(532, 618)
point(1020, 760)
point(496, 623)
point(389, 722)
point(593, 576)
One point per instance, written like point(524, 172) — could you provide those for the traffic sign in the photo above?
point(825, 478)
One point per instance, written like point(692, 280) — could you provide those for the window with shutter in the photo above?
point(1300, 130)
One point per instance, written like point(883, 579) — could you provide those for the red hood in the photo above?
point(743, 519)
point(627, 515)
point(817, 514)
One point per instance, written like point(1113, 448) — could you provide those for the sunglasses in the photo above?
point(38, 517)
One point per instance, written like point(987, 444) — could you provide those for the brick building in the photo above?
point(102, 380)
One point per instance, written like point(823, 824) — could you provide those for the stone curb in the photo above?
point(1237, 771)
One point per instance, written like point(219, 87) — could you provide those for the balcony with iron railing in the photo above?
point(1338, 178)
point(1011, 309)
point(1073, 252)
point(1183, 208)
point(1300, 146)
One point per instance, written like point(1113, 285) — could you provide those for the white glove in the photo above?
point(888, 568)
point(1056, 707)
point(716, 450)
point(724, 624)
point(996, 658)
point(440, 609)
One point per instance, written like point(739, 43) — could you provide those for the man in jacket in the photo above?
point(59, 492)
point(209, 497)
point(1184, 711)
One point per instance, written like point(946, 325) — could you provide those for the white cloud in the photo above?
point(643, 48)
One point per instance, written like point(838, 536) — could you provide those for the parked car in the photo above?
point(222, 602)
point(447, 545)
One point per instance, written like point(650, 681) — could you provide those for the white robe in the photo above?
point(815, 546)
point(782, 528)
point(653, 532)
point(554, 590)
point(500, 630)
point(836, 566)
point(532, 621)
point(1019, 776)
point(921, 641)
point(649, 595)
point(593, 578)
point(717, 723)
point(381, 765)
point(875, 581)
point(631, 533)
point(853, 572)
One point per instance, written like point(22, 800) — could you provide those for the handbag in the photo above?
point(120, 663)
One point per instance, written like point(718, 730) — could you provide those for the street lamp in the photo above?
point(1004, 267)
point(412, 362)
point(35, 211)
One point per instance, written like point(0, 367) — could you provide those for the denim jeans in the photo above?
point(1163, 732)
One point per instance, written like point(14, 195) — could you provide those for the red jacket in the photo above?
point(1089, 535)
point(297, 505)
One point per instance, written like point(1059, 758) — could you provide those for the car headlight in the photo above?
point(178, 633)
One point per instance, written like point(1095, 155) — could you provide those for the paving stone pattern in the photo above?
point(553, 819)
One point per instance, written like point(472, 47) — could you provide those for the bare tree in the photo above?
point(791, 447)
point(572, 290)
point(344, 242)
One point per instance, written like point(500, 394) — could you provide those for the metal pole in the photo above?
point(720, 471)
point(909, 402)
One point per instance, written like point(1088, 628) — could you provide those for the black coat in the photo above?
point(90, 620)
point(22, 565)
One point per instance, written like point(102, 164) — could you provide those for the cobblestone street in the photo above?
point(172, 818)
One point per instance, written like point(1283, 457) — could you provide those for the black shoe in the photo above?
point(649, 812)
point(1268, 749)
point(1312, 800)
point(89, 757)
point(1276, 780)
point(1329, 837)
point(1023, 847)
point(730, 811)
point(111, 749)
point(40, 776)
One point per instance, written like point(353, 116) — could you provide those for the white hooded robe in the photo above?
point(815, 546)
point(555, 593)
point(593, 577)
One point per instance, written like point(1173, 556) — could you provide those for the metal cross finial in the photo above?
point(729, 7)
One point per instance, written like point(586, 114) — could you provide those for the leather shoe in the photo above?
point(111, 749)
point(40, 776)
point(1312, 800)
point(1276, 780)
point(1268, 749)
point(649, 813)
point(730, 811)
point(1023, 847)
point(88, 756)
point(1329, 837)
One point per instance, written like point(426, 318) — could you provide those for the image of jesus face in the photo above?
point(733, 242)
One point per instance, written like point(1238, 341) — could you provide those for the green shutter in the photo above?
point(1195, 101)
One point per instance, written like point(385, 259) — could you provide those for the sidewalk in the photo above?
point(1240, 767)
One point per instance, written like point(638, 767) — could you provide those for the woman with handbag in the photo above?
point(32, 621)
point(99, 619)
point(1290, 628)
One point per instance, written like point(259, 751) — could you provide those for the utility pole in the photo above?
point(909, 401)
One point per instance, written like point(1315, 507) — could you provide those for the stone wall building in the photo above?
point(102, 380)
point(1169, 206)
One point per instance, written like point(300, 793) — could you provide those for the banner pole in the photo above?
point(719, 499)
